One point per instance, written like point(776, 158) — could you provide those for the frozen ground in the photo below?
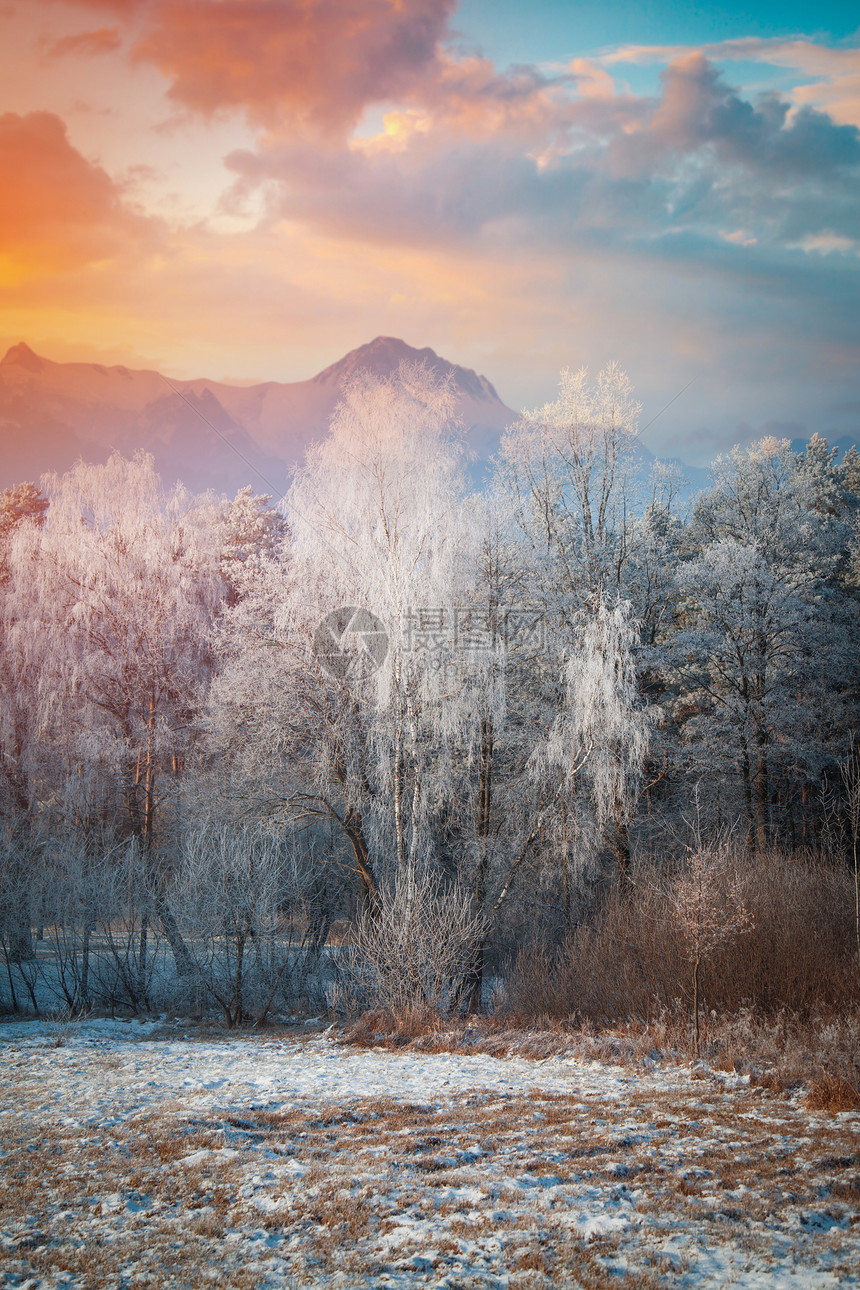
point(133, 1155)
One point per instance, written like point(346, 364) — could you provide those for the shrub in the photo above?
point(410, 951)
point(629, 962)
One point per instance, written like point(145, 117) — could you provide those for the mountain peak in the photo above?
point(21, 355)
point(51, 413)
point(383, 355)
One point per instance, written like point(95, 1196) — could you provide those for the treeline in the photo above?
point(239, 732)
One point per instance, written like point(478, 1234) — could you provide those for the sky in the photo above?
point(247, 189)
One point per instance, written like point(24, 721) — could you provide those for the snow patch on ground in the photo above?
point(133, 1154)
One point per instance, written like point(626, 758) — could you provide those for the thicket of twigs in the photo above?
point(779, 990)
point(632, 961)
point(780, 995)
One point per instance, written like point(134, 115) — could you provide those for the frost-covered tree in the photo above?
point(23, 503)
point(114, 596)
point(249, 532)
point(24, 755)
point(232, 888)
point(757, 671)
point(600, 737)
point(353, 713)
point(22, 513)
point(286, 730)
point(655, 539)
point(375, 517)
point(494, 716)
point(849, 473)
point(132, 579)
point(568, 471)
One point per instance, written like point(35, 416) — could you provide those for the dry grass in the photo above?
point(781, 1053)
point(475, 1188)
point(832, 1094)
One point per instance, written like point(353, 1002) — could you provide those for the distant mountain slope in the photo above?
point(383, 356)
point(211, 434)
point(207, 433)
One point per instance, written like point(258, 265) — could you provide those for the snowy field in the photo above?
point(136, 1155)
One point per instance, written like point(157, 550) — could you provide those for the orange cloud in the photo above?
point(57, 210)
point(307, 63)
point(111, 6)
point(106, 40)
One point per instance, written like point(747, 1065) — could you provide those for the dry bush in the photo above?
point(630, 963)
point(799, 956)
point(627, 964)
point(831, 1093)
point(410, 952)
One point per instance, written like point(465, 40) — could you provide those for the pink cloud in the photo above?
point(309, 63)
point(834, 73)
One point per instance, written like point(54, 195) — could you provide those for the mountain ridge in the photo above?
point(214, 434)
point(52, 413)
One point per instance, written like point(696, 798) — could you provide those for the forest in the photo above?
point(568, 748)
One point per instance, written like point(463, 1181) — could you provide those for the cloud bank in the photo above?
point(391, 182)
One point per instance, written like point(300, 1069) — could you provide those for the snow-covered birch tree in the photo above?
point(601, 735)
point(374, 516)
point(349, 638)
point(568, 470)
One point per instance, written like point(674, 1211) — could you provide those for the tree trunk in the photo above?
point(696, 1004)
point(399, 833)
point(181, 957)
point(856, 896)
point(8, 963)
point(566, 885)
point(84, 988)
point(619, 842)
point(354, 828)
point(473, 980)
point(149, 777)
point(238, 980)
point(20, 933)
point(415, 840)
point(485, 778)
point(141, 961)
point(472, 990)
point(761, 790)
point(746, 772)
point(20, 919)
